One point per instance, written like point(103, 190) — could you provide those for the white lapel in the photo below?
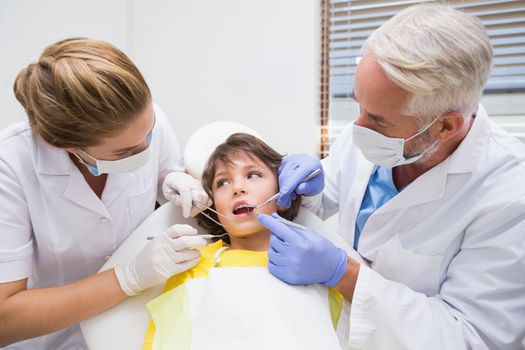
point(427, 188)
point(357, 188)
point(60, 174)
point(115, 184)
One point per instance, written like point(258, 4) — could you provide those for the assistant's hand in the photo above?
point(174, 251)
point(293, 170)
point(299, 256)
point(183, 190)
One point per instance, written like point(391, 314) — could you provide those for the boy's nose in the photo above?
point(239, 190)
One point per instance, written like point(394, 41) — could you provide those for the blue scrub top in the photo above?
point(380, 190)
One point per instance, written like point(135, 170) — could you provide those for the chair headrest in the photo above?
point(205, 140)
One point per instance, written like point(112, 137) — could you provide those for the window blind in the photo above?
point(351, 22)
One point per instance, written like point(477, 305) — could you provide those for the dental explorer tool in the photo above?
point(291, 223)
point(205, 236)
point(275, 196)
point(203, 205)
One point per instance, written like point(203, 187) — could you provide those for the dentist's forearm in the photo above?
point(346, 285)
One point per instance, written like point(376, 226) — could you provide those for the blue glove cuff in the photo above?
point(340, 271)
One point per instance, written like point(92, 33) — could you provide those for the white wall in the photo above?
point(255, 62)
point(27, 27)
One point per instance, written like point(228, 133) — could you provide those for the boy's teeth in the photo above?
point(244, 208)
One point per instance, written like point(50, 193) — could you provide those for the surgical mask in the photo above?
point(124, 165)
point(385, 151)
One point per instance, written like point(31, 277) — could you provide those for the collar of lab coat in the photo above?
point(55, 162)
point(467, 155)
point(52, 160)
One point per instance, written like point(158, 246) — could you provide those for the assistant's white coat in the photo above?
point(55, 230)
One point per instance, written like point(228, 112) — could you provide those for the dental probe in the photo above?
point(210, 208)
point(205, 236)
point(291, 223)
point(275, 196)
point(202, 204)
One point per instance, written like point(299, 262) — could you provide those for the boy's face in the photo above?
point(237, 188)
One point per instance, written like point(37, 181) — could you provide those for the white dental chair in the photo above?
point(124, 326)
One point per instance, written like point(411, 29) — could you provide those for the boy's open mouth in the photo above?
point(243, 209)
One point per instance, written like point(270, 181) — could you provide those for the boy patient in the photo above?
point(229, 298)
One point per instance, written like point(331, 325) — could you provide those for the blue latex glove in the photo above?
point(294, 168)
point(299, 256)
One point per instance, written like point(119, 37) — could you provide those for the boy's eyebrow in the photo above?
point(219, 174)
point(251, 166)
point(246, 167)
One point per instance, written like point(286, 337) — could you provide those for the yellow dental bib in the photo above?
point(238, 304)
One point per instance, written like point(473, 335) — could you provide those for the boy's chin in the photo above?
point(246, 230)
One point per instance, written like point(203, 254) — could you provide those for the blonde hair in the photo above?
point(80, 91)
point(440, 55)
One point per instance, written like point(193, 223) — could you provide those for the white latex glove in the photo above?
point(174, 251)
point(184, 190)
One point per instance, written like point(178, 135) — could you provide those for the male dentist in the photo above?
point(428, 190)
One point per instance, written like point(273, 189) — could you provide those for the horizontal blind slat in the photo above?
point(352, 22)
point(509, 42)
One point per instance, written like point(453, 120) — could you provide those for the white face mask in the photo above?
point(124, 165)
point(385, 151)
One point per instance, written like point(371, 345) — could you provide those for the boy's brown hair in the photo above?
point(251, 146)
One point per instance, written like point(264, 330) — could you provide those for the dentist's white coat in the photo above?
point(447, 254)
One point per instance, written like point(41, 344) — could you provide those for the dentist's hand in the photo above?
point(174, 251)
point(183, 190)
point(299, 256)
point(293, 170)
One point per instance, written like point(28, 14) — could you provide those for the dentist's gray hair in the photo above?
point(440, 55)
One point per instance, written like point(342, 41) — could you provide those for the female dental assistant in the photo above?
point(75, 182)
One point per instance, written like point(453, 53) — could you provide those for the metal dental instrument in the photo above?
point(205, 236)
point(212, 219)
point(272, 198)
point(195, 202)
point(209, 208)
point(291, 223)
point(275, 196)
